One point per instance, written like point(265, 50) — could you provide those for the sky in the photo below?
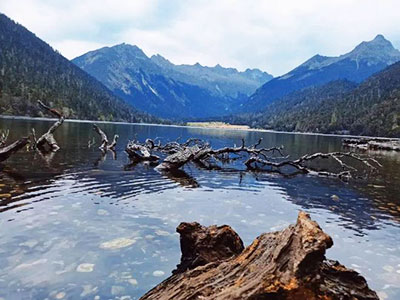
point(274, 36)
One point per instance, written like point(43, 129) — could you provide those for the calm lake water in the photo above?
point(79, 225)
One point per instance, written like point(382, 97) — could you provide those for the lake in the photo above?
point(79, 225)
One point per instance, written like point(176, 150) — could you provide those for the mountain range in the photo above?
point(356, 93)
point(371, 108)
point(31, 70)
point(157, 86)
point(366, 59)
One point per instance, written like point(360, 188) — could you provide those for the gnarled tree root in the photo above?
point(288, 264)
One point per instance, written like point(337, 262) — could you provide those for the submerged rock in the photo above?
point(85, 268)
point(117, 243)
point(287, 264)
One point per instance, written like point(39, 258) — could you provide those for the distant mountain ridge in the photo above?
point(363, 61)
point(172, 91)
point(218, 80)
point(370, 108)
point(30, 70)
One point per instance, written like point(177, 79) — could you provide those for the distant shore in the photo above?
point(200, 125)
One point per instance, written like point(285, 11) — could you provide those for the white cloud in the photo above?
point(271, 35)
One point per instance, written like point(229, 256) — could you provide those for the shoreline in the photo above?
point(197, 127)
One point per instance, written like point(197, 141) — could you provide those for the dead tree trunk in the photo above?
point(47, 139)
point(105, 144)
point(288, 264)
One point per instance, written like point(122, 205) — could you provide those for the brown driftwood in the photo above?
point(288, 264)
point(47, 140)
point(105, 144)
point(7, 151)
point(372, 144)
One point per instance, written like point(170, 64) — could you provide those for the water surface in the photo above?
point(81, 225)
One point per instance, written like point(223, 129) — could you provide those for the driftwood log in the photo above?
point(138, 152)
point(175, 155)
point(288, 264)
point(365, 144)
point(105, 144)
point(47, 142)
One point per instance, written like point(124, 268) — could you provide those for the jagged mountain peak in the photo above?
point(379, 43)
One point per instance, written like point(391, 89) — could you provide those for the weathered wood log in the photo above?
point(178, 159)
point(365, 144)
point(105, 144)
point(7, 151)
point(301, 164)
point(288, 264)
point(47, 139)
point(201, 245)
point(138, 152)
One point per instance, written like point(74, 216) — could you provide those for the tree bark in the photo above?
point(288, 264)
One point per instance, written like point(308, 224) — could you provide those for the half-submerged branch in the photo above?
point(365, 144)
point(288, 264)
point(105, 144)
point(47, 140)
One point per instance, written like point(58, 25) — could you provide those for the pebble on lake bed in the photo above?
point(85, 268)
point(158, 273)
point(60, 295)
point(102, 212)
point(117, 243)
point(117, 290)
point(335, 197)
point(162, 233)
point(133, 281)
point(388, 268)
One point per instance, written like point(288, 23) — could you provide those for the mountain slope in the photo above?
point(30, 70)
point(371, 108)
point(357, 65)
point(218, 80)
point(163, 89)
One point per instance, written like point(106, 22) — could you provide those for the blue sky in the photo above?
point(274, 36)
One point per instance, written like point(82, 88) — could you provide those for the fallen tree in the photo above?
point(174, 155)
point(288, 264)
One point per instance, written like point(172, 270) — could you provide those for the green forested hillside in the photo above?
point(30, 70)
point(371, 108)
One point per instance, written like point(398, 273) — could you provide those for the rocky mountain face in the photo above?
point(31, 70)
point(172, 91)
point(357, 65)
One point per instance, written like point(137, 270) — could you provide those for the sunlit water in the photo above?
point(79, 225)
